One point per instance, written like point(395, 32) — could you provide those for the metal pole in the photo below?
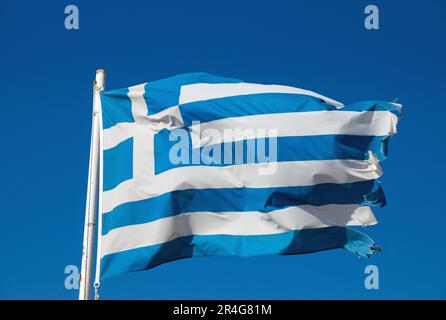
point(92, 192)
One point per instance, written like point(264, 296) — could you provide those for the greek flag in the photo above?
point(200, 165)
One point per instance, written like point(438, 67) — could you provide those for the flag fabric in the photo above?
point(200, 165)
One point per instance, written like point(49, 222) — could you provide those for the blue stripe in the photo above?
point(293, 242)
point(242, 199)
point(116, 107)
point(267, 103)
point(294, 148)
point(118, 164)
point(250, 104)
point(372, 105)
point(165, 93)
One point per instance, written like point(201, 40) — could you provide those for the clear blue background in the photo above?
point(45, 84)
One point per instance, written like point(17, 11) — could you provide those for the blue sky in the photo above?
point(45, 76)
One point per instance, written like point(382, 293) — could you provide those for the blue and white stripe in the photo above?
point(326, 174)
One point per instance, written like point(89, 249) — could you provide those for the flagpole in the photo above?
point(92, 192)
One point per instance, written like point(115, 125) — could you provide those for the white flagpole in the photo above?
point(92, 192)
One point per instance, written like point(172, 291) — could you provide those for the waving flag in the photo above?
point(200, 165)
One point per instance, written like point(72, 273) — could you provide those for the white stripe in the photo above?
point(143, 154)
point(167, 119)
point(367, 123)
point(285, 124)
point(117, 134)
point(206, 91)
point(234, 223)
point(139, 105)
point(293, 173)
